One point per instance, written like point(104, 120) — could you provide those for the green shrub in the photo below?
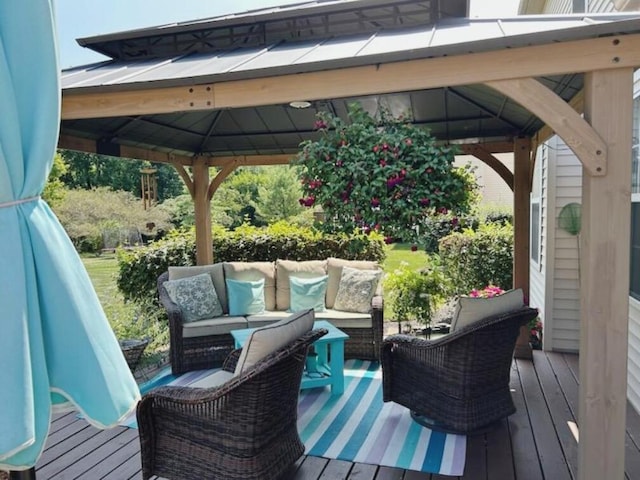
point(439, 226)
point(474, 259)
point(140, 268)
point(415, 294)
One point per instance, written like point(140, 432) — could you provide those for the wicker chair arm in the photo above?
point(377, 302)
point(231, 361)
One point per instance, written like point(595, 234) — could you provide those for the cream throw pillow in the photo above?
point(471, 309)
point(356, 289)
point(266, 340)
point(195, 296)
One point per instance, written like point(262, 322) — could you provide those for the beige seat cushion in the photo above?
point(334, 271)
point(342, 319)
point(252, 271)
point(217, 276)
point(287, 268)
point(471, 309)
point(266, 340)
point(213, 326)
point(266, 318)
point(214, 380)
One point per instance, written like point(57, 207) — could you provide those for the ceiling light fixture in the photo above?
point(300, 104)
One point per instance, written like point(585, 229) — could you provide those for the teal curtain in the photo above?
point(56, 346)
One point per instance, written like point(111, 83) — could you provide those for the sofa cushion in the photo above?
point(265, 318)
point(266, 340)
point(216, 379)
point(341, 319)
point(213, 326)
point(217, 276)
point(303, 269)
point(356, 289)
point(471, 309)
point(245, 297)
point(307, 293)
point(334, 272)
point(195, 296)
point(252, 271)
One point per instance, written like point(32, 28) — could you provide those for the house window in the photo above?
point(535, 230)
point(635, 205)
point(536, 199)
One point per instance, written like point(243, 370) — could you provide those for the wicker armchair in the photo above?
point(245, 429)
point(194, 353)
point(460, 382)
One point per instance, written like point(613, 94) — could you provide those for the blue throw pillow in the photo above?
point(245, 298)
point(308, 293)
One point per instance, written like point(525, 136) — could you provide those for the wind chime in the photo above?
point(149, 187)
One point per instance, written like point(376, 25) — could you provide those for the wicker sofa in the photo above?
point(207, 342)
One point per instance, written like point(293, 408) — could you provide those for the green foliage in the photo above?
point(140, 268)
point(54, 190)
point(93, 217)
point(380, 174)
point(415, 294)
point(474, 259)
point(436, 227)
point(90, 170)
point(278, 196)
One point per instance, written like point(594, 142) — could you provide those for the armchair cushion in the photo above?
point(216, 379)
point(356, 289)
point(245, 298)
point(308, 293)
point(270, 338)
point(472, 309)
point(195, 296)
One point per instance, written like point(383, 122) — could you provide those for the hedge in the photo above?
point(140, 268)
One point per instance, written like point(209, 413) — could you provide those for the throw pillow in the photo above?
point(270, 338)
point(245, 298)
point(472, 309)
point(195, 296)
point(356, 289)
point(308, 293)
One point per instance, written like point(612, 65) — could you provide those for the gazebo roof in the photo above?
point(452, 113)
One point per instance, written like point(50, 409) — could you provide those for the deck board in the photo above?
point(533, 444)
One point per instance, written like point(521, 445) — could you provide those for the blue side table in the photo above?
point(330, 350)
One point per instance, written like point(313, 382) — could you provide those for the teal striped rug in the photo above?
point(358, 427)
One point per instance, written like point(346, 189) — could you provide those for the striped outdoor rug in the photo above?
point(358, 427)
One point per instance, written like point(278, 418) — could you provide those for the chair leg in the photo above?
point(440, 427)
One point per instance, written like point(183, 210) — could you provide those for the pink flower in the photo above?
point(383, 163)
point(320, 125)
point(414, 248)
point(385, 146)
point(424, 202)
point(308, 201)
point(376, 148)
point(408, 142)
point(388, 240)
point(454, 221)
point(375, 202)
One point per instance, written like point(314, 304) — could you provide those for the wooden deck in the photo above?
point(536, 443)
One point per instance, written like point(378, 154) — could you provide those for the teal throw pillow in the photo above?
point(308, 293)
point(196, 297)
point(245, 298)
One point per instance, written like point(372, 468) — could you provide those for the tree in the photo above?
point(90, 170)
point(278, 197)
point(382, 174)
point(54, 190)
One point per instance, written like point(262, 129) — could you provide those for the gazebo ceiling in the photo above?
point(452, 113)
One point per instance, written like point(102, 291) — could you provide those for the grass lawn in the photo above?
point(401, 252)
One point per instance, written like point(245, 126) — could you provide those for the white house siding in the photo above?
point(558, 7)
point(563, 289)
point(537, 277)
point(493, 189)
point(633, 375)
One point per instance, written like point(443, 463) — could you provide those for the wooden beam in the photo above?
point(491, 147)
point(566, 57)
point(546, 132)
point(252, 160)
point(565, 121)
point(155, 156)
point(68, 142)
point(604, 293)
point(480, 153)
point(186, 178)
point(219, 178)
point(521, 231)
point(204, 247)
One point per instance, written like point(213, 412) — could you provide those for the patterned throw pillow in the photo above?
point(356, 289)
point(195, 296)
point(308, 293)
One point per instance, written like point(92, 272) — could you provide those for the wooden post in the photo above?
point(604, 296)
point(204, 249)
point(521, 229)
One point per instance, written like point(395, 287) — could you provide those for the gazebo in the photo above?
point(218, 92)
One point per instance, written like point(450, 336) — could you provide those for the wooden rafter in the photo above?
point(564, 120)
point(487, 157)
point(604, 53)
point(219, 178)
